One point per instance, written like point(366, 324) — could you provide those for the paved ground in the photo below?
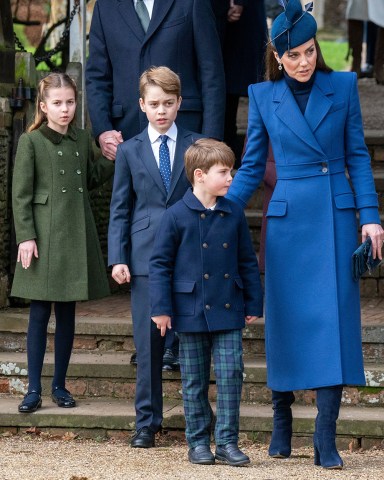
point(49, 458)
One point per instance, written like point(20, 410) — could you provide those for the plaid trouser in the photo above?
point(195, 364)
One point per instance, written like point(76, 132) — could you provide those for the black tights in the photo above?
point(40, 313)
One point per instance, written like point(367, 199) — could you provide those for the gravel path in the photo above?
point(37, 458)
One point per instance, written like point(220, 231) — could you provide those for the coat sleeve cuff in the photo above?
point(369, 215)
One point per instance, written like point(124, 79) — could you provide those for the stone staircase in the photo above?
point(103, 381)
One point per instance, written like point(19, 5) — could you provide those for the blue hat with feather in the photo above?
point(293, 27)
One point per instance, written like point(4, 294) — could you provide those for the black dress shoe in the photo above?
point(30, 403)
point(201, 455)
point(63, 398)
point(231, 454)
point(133, 360)
point(144, 438)
point(170, 360)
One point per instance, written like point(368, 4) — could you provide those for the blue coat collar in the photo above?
point(319, 104)
point(192, 202)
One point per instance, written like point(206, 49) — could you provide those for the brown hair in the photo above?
point(162, 77)
point(53, 80)
point(205, 153)
point(271, 66)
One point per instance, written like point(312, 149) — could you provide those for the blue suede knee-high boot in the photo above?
point(280, 446)
point(324, 440)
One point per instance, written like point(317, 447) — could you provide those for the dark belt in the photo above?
point(302, 170)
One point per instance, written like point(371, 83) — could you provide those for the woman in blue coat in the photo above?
point(312, 118)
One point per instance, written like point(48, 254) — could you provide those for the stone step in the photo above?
point(111, 375)
point(108, 417)
point(113, 334)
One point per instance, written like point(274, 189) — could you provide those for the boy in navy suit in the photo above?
point(204, 280)
point(149, 177)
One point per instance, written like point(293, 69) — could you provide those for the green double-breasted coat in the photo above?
point(51, 179)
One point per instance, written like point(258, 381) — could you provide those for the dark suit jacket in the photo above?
point(203, 271)
point(181, 36)
point(139, 199)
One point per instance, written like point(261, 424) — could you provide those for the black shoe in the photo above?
point(31, 402)
point(170, 360)
point(63, 398)
point(231, 454)
point(201, 455)
point(133, 360)
point(144, 438)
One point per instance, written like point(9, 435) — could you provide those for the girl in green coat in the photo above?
point(59, 258)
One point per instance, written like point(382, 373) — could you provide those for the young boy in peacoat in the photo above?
point(204, 281)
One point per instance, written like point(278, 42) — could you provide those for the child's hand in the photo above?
point(121, 273)
point(26, 251)
point(163, 322)
point(251, 319)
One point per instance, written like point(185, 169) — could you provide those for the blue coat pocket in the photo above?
point(345, 200)
point(184, 298)
point(140, 224)
point(277, 208)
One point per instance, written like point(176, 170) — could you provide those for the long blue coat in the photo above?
point(313, 331)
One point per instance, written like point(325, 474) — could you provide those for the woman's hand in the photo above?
point(26, 251)
point(375, 231)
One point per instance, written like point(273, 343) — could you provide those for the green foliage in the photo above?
point(334, 53)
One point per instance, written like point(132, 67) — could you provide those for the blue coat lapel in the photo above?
point(128, 13)
point(160, 9)
point(289, 113)
point(183, 141)
point(319, 102)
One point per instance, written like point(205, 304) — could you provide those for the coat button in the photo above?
point(226, 275)
point(205, 245)
point(221, 214)
point(206, 276)
point(60, 153)
point(81, 189)
point(63, 189)
point(78, 171)
point(227, 306)
point(202, 216)
point(207, 307)
point(324, 170)
point(77, 154)
point(225, 245)
point(62, 172)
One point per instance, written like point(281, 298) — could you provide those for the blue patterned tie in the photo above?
point(165, 162)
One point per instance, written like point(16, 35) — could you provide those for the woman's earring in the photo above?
point(280, 67)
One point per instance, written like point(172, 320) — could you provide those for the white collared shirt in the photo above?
point(154, 138)
point(148, 4)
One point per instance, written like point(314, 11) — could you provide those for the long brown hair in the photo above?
point(272, 71)
point(53, 80)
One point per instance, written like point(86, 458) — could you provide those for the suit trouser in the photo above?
point(195, 365)
point(149, 345)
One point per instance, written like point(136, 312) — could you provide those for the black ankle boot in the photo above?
point(280, 446)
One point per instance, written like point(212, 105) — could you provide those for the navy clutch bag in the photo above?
point(362, 260)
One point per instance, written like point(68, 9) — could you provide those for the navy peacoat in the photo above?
point(203, 271)
point(313, 331)
point(51, 179)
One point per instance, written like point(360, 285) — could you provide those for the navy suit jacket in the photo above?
point(181, 36)
point(139, 199)
point(203, 271)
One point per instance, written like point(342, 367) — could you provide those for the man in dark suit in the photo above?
point(144, 187)
point(180, 35)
